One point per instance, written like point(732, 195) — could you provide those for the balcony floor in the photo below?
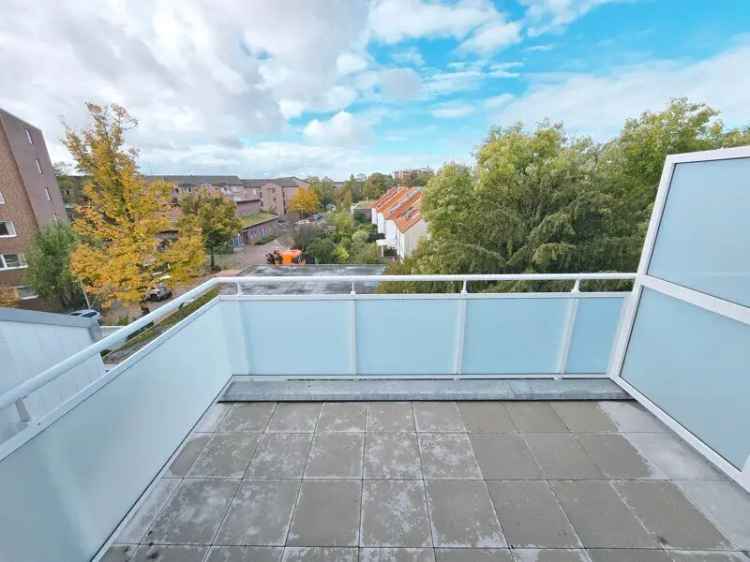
point(436, 481)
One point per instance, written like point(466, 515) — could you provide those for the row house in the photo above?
point(398, 217)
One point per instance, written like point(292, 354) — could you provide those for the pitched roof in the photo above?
point(289, 181)
point(389, 197)
point(197, 180)
point(398, 205)
point(411, 215)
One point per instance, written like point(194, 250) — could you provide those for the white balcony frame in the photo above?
point(703, 300)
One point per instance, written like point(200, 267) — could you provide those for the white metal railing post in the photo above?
point(353, 332)
point(458, 361)
point(23, 412)
point(239, 288)
point(568, 328)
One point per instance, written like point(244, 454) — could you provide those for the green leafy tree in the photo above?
point(322, 249)
point(324, 190)
point(377, 184)
point(217, 218)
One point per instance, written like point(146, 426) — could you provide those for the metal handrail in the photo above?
point(17, 394)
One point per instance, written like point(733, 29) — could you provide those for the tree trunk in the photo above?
point(212, 259)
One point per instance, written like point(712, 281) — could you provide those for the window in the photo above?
point(7, 229)
point(25, 292)
point(28, 136)
point(38, 166)
point(2, 199)
point(46, 192)
point(12, 261)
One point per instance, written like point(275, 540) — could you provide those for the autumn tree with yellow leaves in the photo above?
point(120, 254)
point(304, 201)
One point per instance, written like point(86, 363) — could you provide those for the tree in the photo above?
point(217, 218)
point(322, 249)
point(324, 189)
point(48, 258)
point(377, 184)
point(304, 201)
point(120, 253)
point(8, 296)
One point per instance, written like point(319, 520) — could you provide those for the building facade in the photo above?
point(29, 197)
point(277, 193)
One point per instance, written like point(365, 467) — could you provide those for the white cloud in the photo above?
point(343, 129)
point(504, 70)
point(492, 37)
point(452, 110)
point(410, 56)
point(543, 48)
point(400, 83)
point(496, 102)
point(552, 15)
point(599, 104)
point(349, 63)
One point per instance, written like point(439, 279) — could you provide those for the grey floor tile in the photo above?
point(462, 515)
point(120, 553)
point(703, 556)
point(447, 455)
point(194, 512)
point(530, 515)
point(209, 423)
point(627, 555)
point(247, 416)
point(664, 510)
point(226, 456)
point(245, 554)
point(280, 456)
point(392, 455)
point(186, 457)
point(295, 417)
point(394, 514)
point(599, 516)
point(726, 505)
point(584, 416)
point(260, 514)
point(327, 514)
point(672, 456)
point(437, 416)
point(617, 458)
point(396, 555)
point(631, 417)
point(486, 417)
point(160, 553)
point(504, 457)
point(336, 455)
point(561, 457)
point(473, 555)
point(535, 417)
point(343, 416)
point(136, 528)
point(547, 555)
point(390, 416)
point(313, 554)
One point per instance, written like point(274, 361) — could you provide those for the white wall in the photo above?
point(410, 239)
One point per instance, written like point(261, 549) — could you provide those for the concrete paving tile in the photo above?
point(536, 417)
point(673, 457)
point(343, 416)
point(631, 417)
point(462, 515)
point(260, 514)
point(194, 512)
point(245, 554)
point(486, 417)
point(447, 455)
point(599, 516)
point(313, 554)
point(394, 514)
point(161, 553)
point(327, 514)
point(473, 555)
point(139, 523)
point(390, 416)
point(295, 417)
point(627, 555)
point(226, 455)
point(726, 505)
point(336, 455)
point(504, 457)
point(699, 556)
point(120, 553)
point(396, 555)
point(544, 555)
point(247, 416)
point(530, 515)
point(187, 455)
point(392, 455)
point(617, 458)
point(664, 510)
point(209, 423)
point(561, 457)
point(280, 456)
point(584, 416)
point(437, 417)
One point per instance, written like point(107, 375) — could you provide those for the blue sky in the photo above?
point(334, 87)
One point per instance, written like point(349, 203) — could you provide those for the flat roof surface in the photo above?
point(436, 481)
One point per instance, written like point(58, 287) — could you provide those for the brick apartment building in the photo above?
point(276, 193)
point(29, 197)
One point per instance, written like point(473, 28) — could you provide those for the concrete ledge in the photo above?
point(245, 389)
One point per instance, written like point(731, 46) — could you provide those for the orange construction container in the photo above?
point(289, 257)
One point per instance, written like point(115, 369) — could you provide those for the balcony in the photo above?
point(411, 427)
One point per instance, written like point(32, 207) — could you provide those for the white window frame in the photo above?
point(2, 198)
point(21, 260)
point(38, 166)
point(12, 233)
point(29, 138)
point(46, 193)
point(27, 298)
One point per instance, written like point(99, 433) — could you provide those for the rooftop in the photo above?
point(256, 218)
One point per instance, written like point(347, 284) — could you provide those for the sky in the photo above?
point(261, 88)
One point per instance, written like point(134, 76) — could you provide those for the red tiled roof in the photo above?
point(391, 196)
point(410, 215)
point(400, 204)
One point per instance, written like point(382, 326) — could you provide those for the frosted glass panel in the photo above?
point(703, 238)
point(407, 337)
point(695, 365)
point(597, 320)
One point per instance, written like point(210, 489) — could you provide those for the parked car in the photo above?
point(87, 313)
point(159, 293)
